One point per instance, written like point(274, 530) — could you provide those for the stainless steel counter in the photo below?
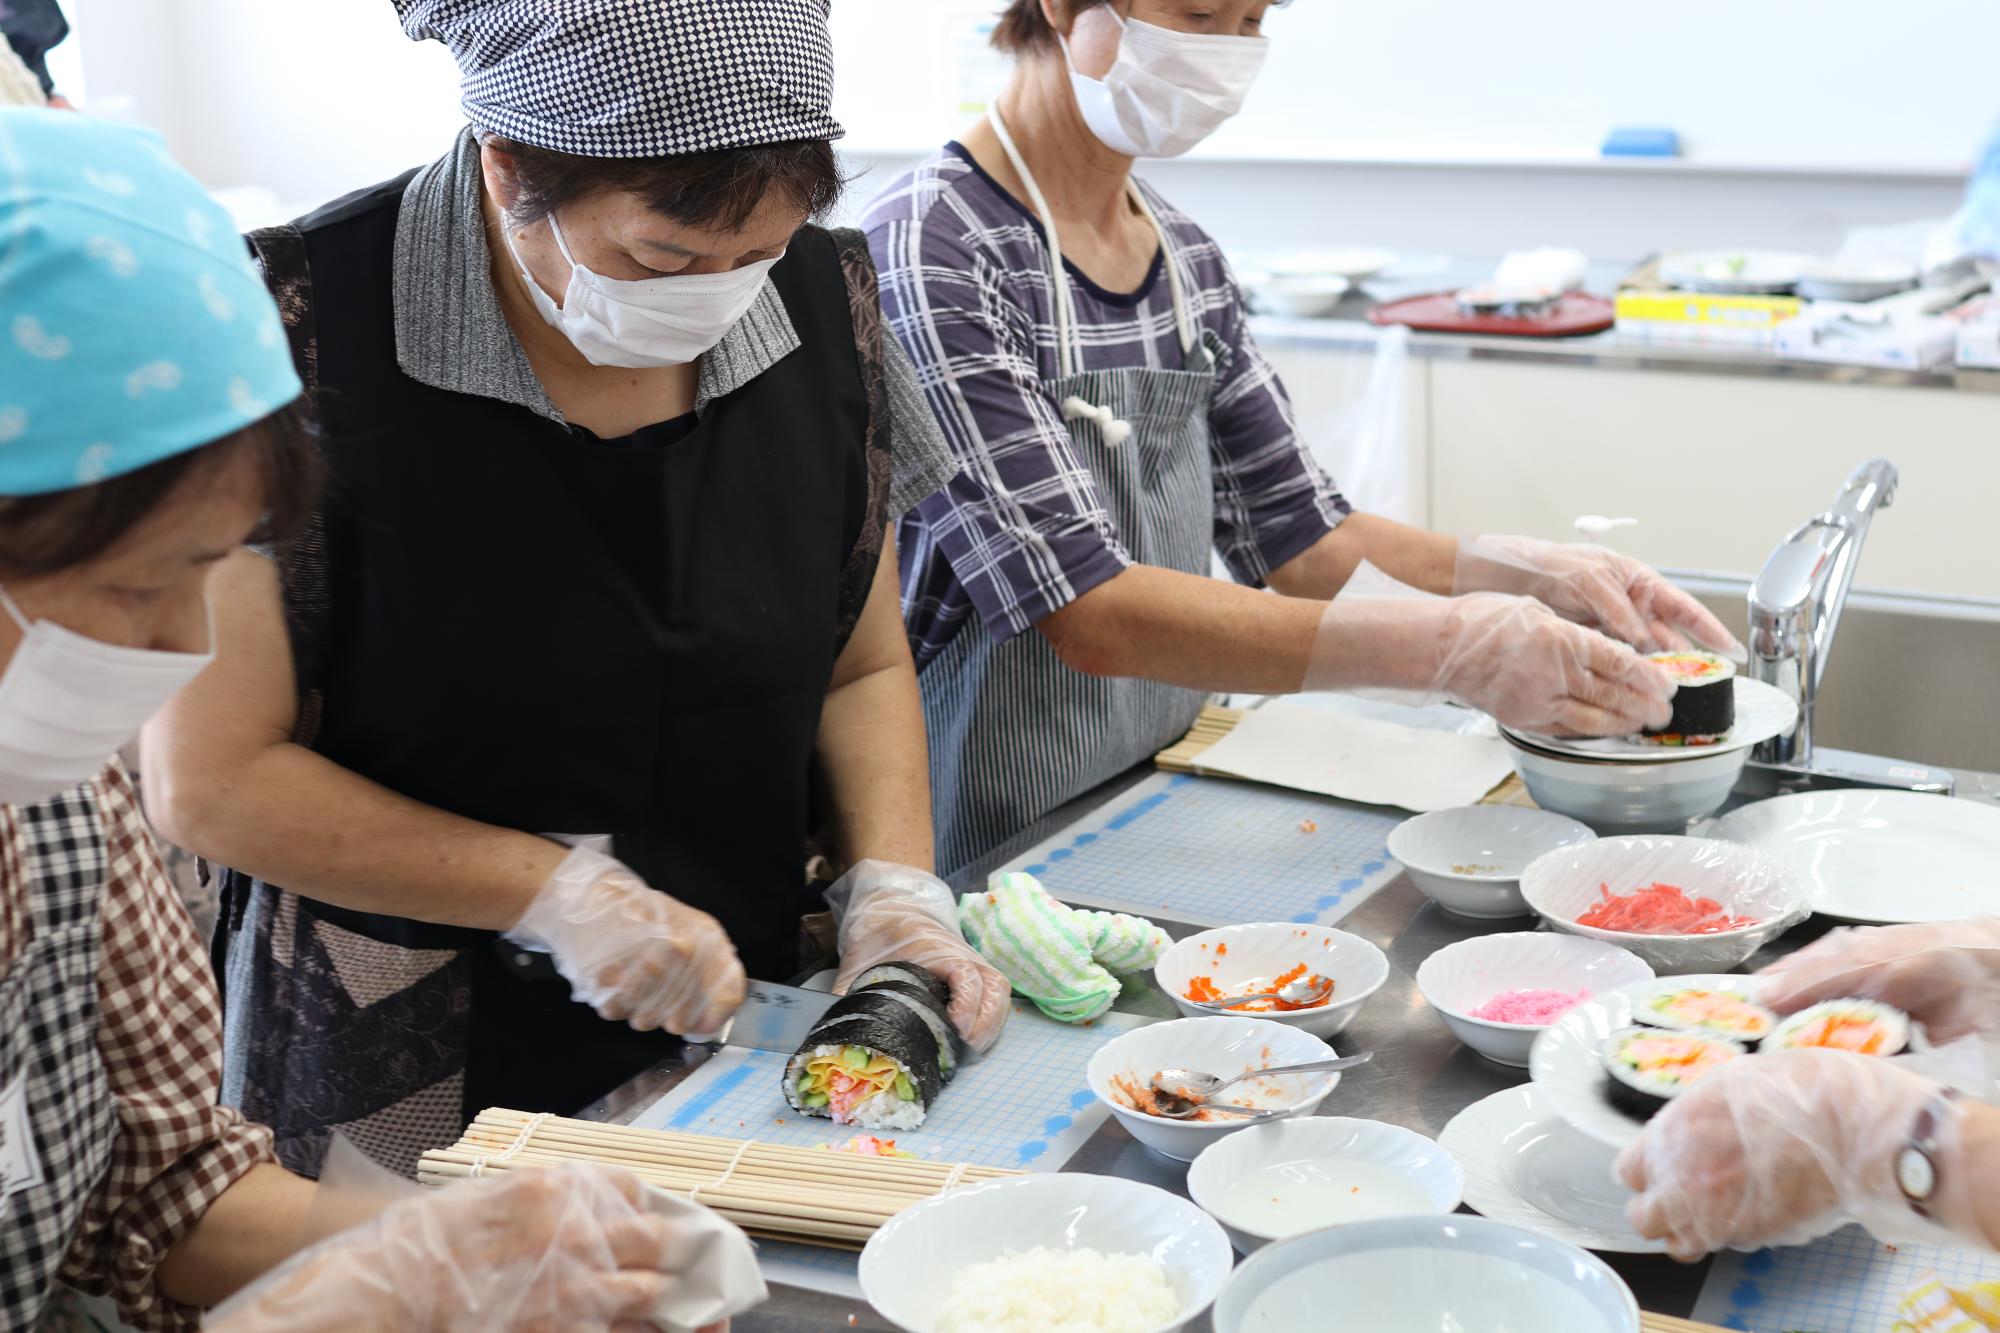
point(1347, 327)
point(1420, 1078)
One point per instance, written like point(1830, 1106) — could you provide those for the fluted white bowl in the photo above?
point(1461, 977)
point(1236, 957)
point(1220, 1046)
point(1469, 860)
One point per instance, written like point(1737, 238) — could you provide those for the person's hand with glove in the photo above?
point(1508, 656)
point(1065, 959)
point(1597, 588)
point(578, 1248)
point(1789, 1146)
point(893, 913)
point(631, 952)
point(1945, 975)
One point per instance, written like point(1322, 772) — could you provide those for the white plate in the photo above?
point(1352, 262)
point(1565, 1061)
point(1762, 711)
point(1525, 1165)
point(1880, 856)
point(1734, 271)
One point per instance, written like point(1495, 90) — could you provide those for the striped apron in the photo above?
point(1014, 732)
point(52, 1078)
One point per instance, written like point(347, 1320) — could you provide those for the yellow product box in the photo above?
point(1730, 312)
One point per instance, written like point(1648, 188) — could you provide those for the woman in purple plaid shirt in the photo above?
point(1086, 350)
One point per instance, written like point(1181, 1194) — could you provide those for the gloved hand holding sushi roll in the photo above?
point(1508, 656)
point(1595, 587)
point(892, 913)
point(1945, 975)
point(1792, 1145)
point(631, 952)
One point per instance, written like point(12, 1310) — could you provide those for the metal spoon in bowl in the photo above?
point(1305, 993)
point(1179, 1093)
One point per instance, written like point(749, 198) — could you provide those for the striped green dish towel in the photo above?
point(1065, 959)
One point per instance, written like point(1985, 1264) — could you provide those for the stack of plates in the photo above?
point(1734, 272)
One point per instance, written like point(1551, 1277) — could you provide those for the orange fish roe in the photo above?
point(1222, 950)
point(1308, 826)
point(1203, 990)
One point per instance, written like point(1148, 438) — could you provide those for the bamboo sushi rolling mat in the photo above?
point(772, 1191)
point(1216, 722)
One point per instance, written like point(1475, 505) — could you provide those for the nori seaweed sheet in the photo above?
point(910, 974)
point(878, 1023)
point(1702, 710)
point(936, 1018)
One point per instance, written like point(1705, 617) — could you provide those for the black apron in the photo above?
point(535, 628)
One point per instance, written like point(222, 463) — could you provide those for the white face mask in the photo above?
point(68, 703)
point(1167, 90)
point(667, 321)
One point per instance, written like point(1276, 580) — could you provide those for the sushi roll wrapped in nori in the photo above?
point(879, 1057)
point(1862, 1026)
point(1718, 1013)
point(1649, 1067)
point(1704, 705)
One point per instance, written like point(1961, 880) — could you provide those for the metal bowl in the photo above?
point(1627, 795)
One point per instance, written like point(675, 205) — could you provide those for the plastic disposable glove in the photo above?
point(1595, 587)
point(1946, 976)
point(577, 1247)
point(890, 913)
point(1788, 1147)
point(631, 952)
point(1508, 656)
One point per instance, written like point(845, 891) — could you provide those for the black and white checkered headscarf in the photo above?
point(638, 78)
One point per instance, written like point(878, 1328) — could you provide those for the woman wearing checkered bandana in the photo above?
point(519, 758)
point(152, 422)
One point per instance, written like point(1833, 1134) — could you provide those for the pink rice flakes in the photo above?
point(1529, 1006)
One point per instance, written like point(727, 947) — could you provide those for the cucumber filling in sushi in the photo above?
point(1717, 1012)
point(1704, 708)
point(1649, 1067)
point(1861, 1026)
point(857, 1086)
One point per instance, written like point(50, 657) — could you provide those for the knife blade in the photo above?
point(775, 1018)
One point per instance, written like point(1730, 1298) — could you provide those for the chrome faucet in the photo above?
point(1795, 607)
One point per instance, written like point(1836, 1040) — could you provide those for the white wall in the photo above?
point(311, 98)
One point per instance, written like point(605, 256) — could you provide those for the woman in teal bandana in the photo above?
point(149, 427)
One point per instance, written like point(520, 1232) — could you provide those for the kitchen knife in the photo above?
point(775, 1018)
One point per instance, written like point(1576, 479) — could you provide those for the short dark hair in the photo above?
point(46, 534)
point(719, 189)
point(1022, 30)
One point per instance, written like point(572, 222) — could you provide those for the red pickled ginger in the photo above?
point(1660, 909)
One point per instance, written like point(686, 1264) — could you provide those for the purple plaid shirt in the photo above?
point(1021, 531)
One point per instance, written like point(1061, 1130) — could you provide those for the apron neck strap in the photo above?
point(1069, 351)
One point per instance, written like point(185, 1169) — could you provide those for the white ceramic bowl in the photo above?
point(1422, 1274)
point(1237, 957)
point(1469, 860)
point(1618, 796)
point(1299, 295)
point(1221, 1046)
point(908, 1265)
point(1403, 1151)
point(1461, 977)
point(1565, 884)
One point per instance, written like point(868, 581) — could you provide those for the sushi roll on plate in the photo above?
point(1705, 703)
point(1717, 1013)
point(1648, 1067)
point(879, 1057)
point(1862, 1026)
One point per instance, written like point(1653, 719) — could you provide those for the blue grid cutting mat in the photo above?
point(1848, 1282)
point(1215, 852)
point(1026, 1105)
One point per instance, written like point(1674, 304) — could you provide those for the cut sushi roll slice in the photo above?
point(1704, 705)
point(1649, 1067)
point(875, 1060)
point(1862, 1026)
point(1718, 1013)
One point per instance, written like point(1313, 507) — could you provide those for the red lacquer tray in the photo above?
point(1575, 315)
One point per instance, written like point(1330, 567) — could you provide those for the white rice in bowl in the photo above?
point(1060, 1291)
